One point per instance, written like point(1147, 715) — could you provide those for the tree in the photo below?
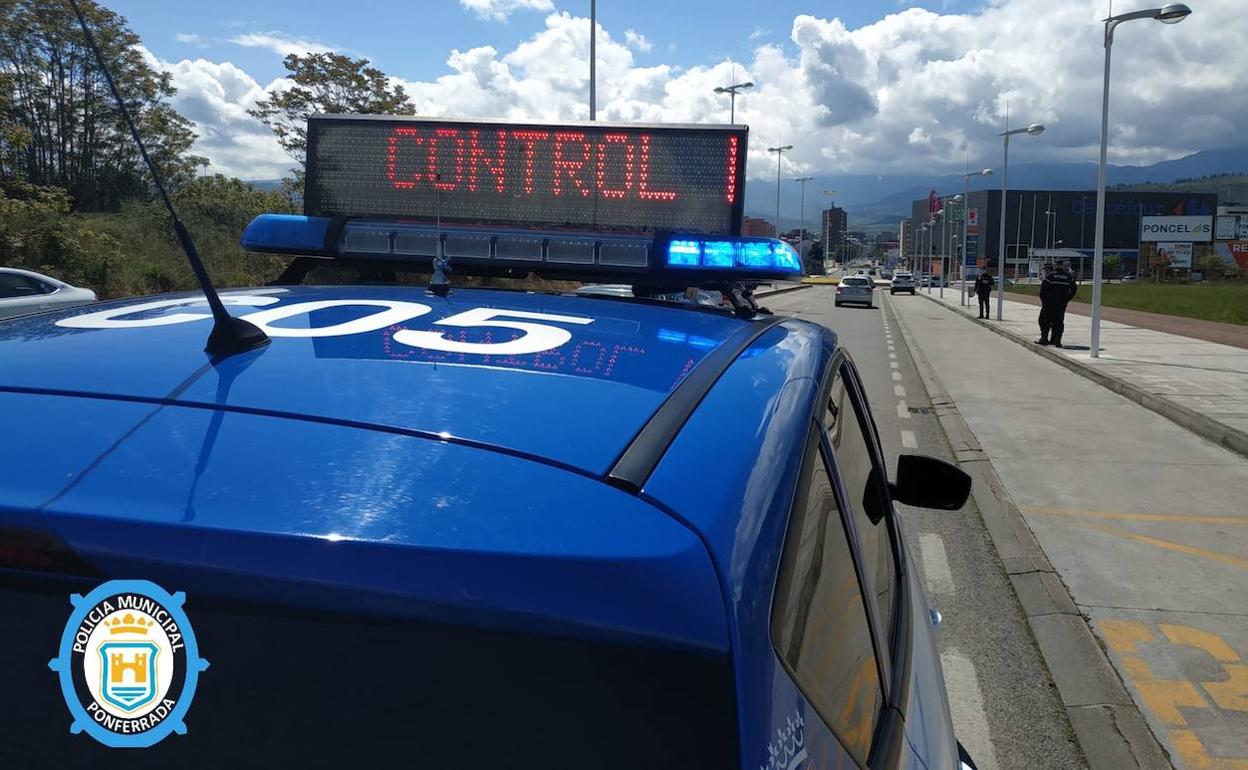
point(814, 259)
point(1212, 266)
point(59, 124)
point(327, 83)
point(1111, 263)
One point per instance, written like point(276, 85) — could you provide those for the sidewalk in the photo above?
point(1126, 537)
point(1201, 385)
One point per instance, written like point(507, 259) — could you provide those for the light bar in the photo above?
point(733, 255)
point(678, 258)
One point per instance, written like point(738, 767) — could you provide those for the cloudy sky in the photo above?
point(857, 86)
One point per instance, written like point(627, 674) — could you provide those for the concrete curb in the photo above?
point(1108, 725)
point(785, 290)
point(1206, 427)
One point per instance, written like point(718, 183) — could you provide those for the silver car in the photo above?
point(24, 291)
point(856, 289)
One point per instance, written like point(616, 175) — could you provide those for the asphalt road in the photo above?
point(1005, 708)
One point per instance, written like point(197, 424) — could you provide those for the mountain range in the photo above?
point(874, 202)
point(880, 202)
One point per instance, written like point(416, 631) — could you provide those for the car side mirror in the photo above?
point(928, 482)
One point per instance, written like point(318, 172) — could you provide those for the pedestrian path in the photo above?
point(1143, 523)
point(1201, 385)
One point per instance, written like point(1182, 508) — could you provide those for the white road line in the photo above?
point(893, 356)
point(970, 721)
point(897, 376)
point(892, 364)
point(903, 411)
point(936, 575)
point(899, 391)
point(908, 440)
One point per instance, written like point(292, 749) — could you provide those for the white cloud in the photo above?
point(280, 44)
point(907, 94)
point(638, 41)
point(499, 10)
point(759, 32)
point(191, 39)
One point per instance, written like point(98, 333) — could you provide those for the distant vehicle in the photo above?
point(1128, 278)
point(25, 291)
point(857, 290)
point(872, 271)
point(887, 275)
point(902, 282)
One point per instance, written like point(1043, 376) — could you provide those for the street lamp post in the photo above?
point(1034, 129)
point(779, 151)
point(732, 91)
point(801, 224)
point(1167, 14)
point(966, 191)
point(946, 260)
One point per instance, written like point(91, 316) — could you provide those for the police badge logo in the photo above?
point(128, 663)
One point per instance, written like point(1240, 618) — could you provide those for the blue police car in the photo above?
point(468, 527)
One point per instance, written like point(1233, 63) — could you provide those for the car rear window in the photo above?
point(855, 281)
point(290, 688)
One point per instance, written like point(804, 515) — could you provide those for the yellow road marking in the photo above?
point(1123, 635)
point(1169, 545)
point(1201, 640)
point(1195, 757)
point(1163, 696)
point(1044, 510)
point(1233, 693)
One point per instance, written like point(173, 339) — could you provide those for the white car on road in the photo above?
point(857, 289)
point(25, 291)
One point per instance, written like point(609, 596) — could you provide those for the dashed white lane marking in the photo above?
point(897, 376)
point(970, 721)
point(899, 391)
point(936, 575)
point(908, 440)
point(892, 364)
point(903, 411)
point(892, 356)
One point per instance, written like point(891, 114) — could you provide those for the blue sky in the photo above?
point(874, 87)
point(412, 39)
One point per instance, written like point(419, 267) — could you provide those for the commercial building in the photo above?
point(1143, 230)
point(833, 223)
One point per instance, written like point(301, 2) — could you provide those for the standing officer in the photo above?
point(1056, 291)
point(983, 288)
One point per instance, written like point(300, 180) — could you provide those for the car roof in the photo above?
point(32, 274)
point(578, 405)
point(443, 485)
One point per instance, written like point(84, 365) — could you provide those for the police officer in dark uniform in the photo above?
point(983, 288)
point(1056, 291)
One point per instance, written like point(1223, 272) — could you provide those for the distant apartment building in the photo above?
point(833, 224)
point(758, 227)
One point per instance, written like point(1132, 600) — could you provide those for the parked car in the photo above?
point(857, 290)
point(25, 291)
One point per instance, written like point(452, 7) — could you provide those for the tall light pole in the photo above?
point(946, 265)
point(1035, 129)
point(732, 91)
point(593, 58)
point(966, 192)
point(779, 151)
point(1167, 14)
point(801, 225)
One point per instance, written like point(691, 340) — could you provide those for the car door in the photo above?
point(841, 609)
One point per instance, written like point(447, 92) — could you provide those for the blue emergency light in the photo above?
point(679, 258)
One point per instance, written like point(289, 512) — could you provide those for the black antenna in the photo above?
point(229, 335)
point(439, 286)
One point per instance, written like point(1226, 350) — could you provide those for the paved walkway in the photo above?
point(1143, 523)
point(1234, 335)
point(1199, 384)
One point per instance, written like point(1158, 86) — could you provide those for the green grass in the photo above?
point(1224, 301)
